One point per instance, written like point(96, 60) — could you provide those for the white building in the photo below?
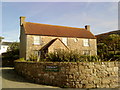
point(4, 46)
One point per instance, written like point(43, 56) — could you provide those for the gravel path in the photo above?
point(11, 80)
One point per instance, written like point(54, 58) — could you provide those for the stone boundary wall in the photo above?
point(71, 74)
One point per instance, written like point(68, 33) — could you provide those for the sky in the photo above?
point(101, 16)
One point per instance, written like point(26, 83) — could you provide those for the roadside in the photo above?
point(11, 80)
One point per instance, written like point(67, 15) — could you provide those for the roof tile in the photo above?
point(58, 31)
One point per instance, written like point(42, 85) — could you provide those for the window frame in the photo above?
point(86, 42)
point(88, 52)
point(75, 39)
point(36, 40)
point(65, 41)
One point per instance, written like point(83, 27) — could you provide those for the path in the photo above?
point(11, 80)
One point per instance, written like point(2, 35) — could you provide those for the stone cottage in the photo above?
point(37, 37)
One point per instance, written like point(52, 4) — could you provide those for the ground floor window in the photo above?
point(86, 52)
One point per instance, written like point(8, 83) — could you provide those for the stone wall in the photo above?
point(71, 74)
point(71, 44)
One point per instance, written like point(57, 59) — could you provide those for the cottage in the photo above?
point(37, 37)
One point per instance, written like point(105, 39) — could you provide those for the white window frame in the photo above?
point(75, 39)
point(86, 42)
point(37, 40)
point(64, 40)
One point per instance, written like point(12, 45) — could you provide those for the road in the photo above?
point(12, 80)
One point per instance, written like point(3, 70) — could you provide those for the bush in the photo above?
point(11, 55)
point(72, 56)
point(69, 56)
point(21, 59)
point(33, 57)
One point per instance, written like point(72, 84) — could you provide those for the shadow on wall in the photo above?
point(7, 63)
point(10, 74)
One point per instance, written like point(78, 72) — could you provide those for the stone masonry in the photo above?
point(73, 42)
point(72, 45)
point(72, 74)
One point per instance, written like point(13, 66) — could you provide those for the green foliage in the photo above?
point(69, 56)
point(113, 42)
point(11, 55)
point(21, 59)
point(33, 57)
point(109, 47)
point(102, 50)
point(1, 38)
point(12, 52)
point(13, 46)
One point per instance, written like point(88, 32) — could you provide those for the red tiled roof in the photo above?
point(54, 30)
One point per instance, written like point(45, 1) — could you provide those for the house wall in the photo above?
point(31, 48)
point(56, 46)
point(80, 47)
point(23, 44)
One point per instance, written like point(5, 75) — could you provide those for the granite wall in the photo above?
point(71, 74)
point(71, 44)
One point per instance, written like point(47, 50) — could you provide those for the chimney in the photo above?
point(87, 27)
point(22, 20)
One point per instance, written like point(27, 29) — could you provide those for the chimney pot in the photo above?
point(87, 27)
point(22, 20)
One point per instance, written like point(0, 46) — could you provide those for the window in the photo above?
point(86, 52)
point(85, 42)
point(75, 40)
point(35, 52)
point(37, 40)
point(64, 40)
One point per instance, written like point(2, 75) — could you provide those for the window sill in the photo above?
point(86, 46)
point(36, 44)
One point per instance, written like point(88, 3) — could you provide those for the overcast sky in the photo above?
point(101, 16)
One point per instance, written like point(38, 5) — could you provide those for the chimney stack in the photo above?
point(87, 27)
point(22, 20)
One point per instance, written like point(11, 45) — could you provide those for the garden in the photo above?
point(108, 49)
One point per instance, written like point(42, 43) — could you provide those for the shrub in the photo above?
point(69, 56)
point(11, 55)
point(33, 57)
point(72, 56)
point(21, 59)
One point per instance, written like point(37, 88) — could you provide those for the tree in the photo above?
point(102, 50)
point(113, 42)
point(12, 52)
point(13, 46)
point(1, 38)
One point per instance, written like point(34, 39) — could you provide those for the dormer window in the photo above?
point(37, 40)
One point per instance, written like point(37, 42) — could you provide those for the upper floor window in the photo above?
point(64, 40)
point(86, 42)
point(37, 40)
point(75, 39)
